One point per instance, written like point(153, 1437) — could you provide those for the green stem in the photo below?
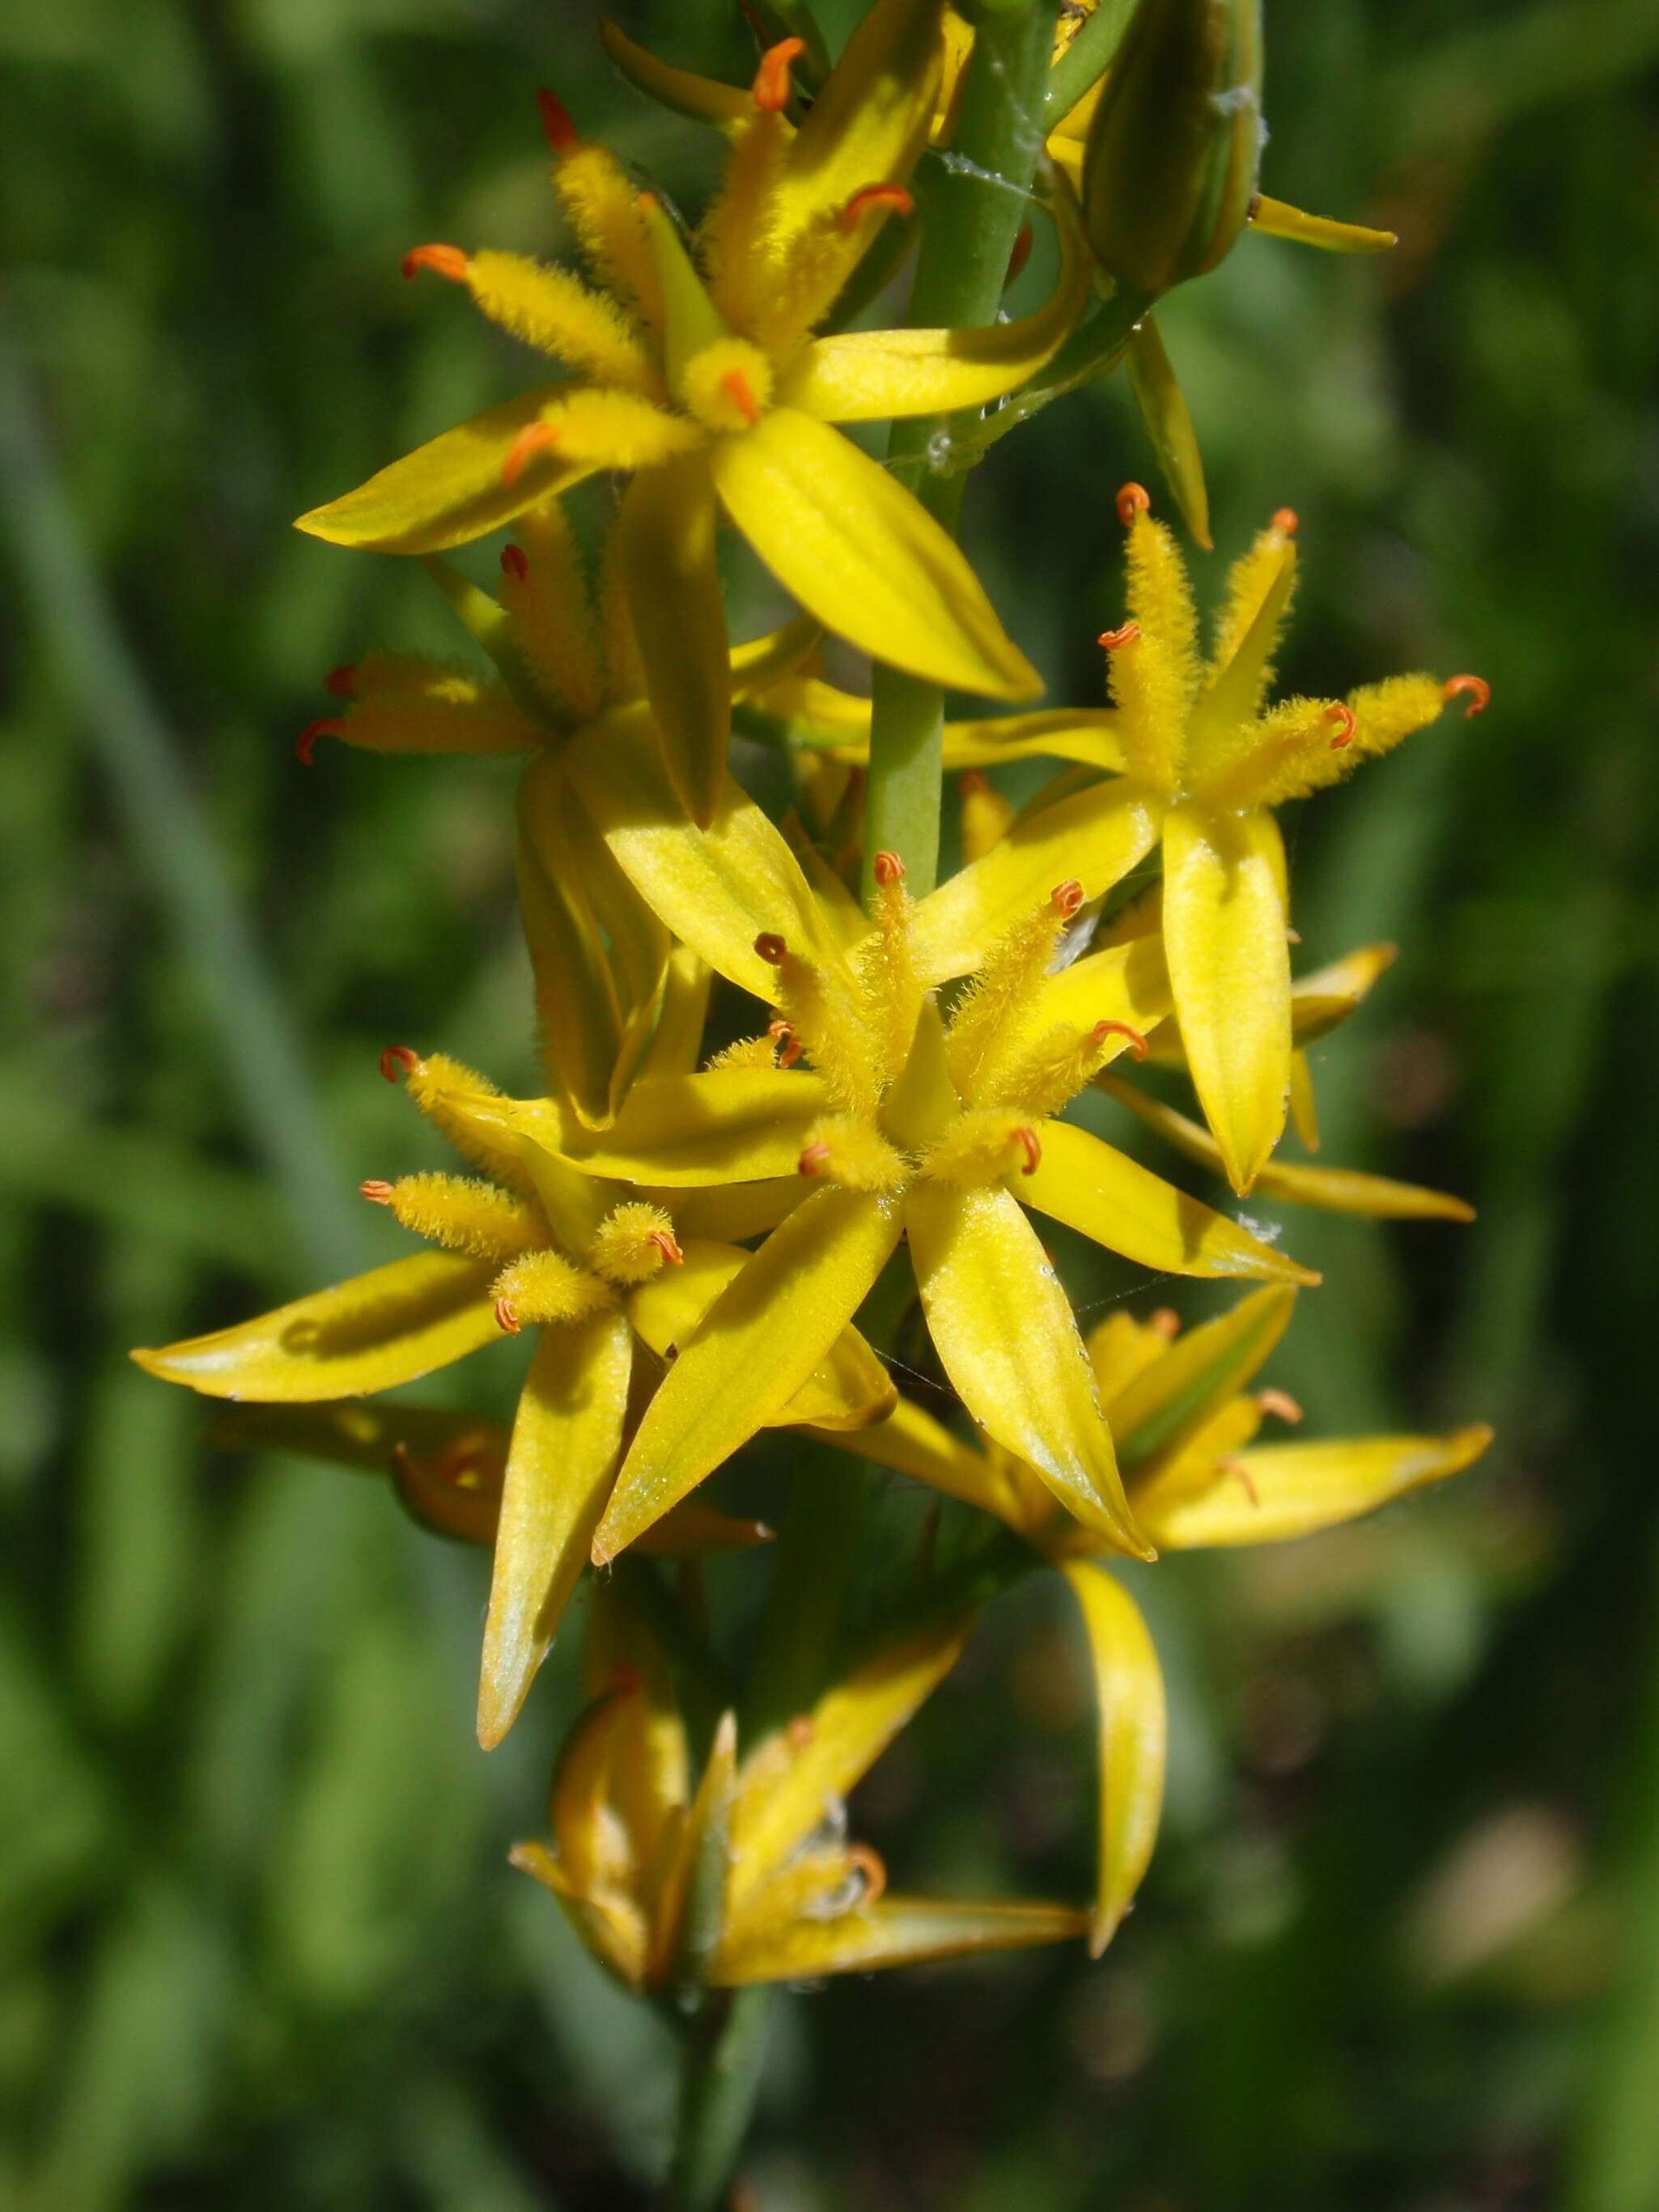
point(1087, 59)
point(974, 202)
point(725, 2046)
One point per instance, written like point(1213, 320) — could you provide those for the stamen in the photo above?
point(1132, 499)
point(378, 1192)
point(515, 563)
point(887, 868)
point(306, 744)
point(668, 1244)
point(1065, 898)
point(1020, 255)
point(1237, 1467)
point(1343, 717)
point(341, 681)
point(1281, 1403)
point(1474, 689)
point(1283, 521)
point(814, 1160)
point(975, 783)
point(562, 133)
point(772, 88)
point(862, 1861)
point(1102, 1031)
point(531, 441)
point(771, 948)
point(1112, 639)
point(506, 1319)
point(875, 195)
point(736, 385)
point(801, 1732)
point(1026, 1139)
point(783, 1036)
point(1165, 1322)
point(396, 1056)
point(442, 260)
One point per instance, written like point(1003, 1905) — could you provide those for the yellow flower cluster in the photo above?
point(694, 1239)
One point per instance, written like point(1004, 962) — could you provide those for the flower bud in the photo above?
point(1171, 166)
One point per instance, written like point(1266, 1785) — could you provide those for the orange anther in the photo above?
point(442, 260)
point(887, 868)
point(1343, 718)
point(871, 196)
point(1165, 1322)
point(814, 1160)
point(534, 438)
point(378, 1192)
point(783, 1036)
point(1065, 898)
point(562, 133)
point(1474, 689)
point(974, 782)
point(741, 393)
point(1283, 520)
point(514, 563)
point(1102, 1031)
point(1132, 499)
point(861, 1860)
point(341, 681)
point(506, 1319)
point(800, 1731)
point(1026, 1139)
point(669, 1245)
point(772, 88)
point(1280, 1403)
point(1111, 639)
point(306, 744)
point(1021, 254)
point(771, 948)
point(396, 1056)
point(1237, 1467)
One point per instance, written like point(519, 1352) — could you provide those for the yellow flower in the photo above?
point(695, 371)
point(899, 1125)
point(1184, 1423)
point(579, 1260)
point(635, 1847)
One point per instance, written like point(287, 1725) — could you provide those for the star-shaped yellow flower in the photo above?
point(696, 372)
point(540, 1246)
point(791, 1899)
point(1184, 1425)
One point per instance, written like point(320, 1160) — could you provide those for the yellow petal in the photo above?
point(449, 490)
point(576, 1004)
point(1337, 1190)
point(690, 1914)
point(1305, 1106)
point(1102, 1192)
point(1159, 1409)
point(863, 556)
point(1003, 1328)
point(1274, 219)
point(733, 1213)
point(1133, 1736)
point(1128, 982)
point(668, 566)
point(717, 888)
point(1268, 1494)
point(565, 1441)
point(682, 1015)
point(776, 658)
point(1169, 427)
point(1093, 837)
point(388, 1326)
point(705, 99)
point(897, 1932)
point(757, 1345)
point(1088, 736)
point(1225, 932)
point(730, 1124)
point(793, 1780)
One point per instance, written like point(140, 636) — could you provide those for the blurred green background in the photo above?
point(259, 1944)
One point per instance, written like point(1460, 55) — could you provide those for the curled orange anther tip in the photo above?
point(1111, 639)
point(562, 133)
point(1132, 499)
point(1281, 1403)
point(1474, 689)
point(1237, 1467)
point(771, 88)
point(1021, 254)
point(529, 441)
point(377, 1193)
point(814, 1159)
point(1065, 898)
point(800, 1731)
point(783, 1036)
point(1343, 717)
point(396, 1056)
point(887, 868)
point(1283, 520)
point(771, 948)
point(669, 1245)
point(741, 393)
point(871, 196)
point(1102, 1031)
point(1026, 1139)
point(305, 745)
point(862, 1861)
point(514, 563)
point(506, 1319)
point(442, 260)
point(974, 782)
point(341, 681)
point(1165, 1322)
